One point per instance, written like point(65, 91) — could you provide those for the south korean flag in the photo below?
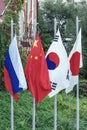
point(58, 65)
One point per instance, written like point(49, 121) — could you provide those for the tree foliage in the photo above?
point(83, 23)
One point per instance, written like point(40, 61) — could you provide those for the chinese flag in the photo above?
point(36, 72)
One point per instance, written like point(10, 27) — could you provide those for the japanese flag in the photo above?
point(75, 62)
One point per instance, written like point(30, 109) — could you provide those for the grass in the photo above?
point(66, 112)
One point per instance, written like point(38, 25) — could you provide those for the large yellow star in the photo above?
point(35, 43)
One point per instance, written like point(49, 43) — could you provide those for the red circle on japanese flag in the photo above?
point(75, 63)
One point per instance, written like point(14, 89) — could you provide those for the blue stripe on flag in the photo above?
point(12, 74)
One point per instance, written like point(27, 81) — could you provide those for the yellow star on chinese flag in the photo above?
point(35, 43)
point(36, 57)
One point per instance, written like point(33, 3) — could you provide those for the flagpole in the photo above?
point(12, 107)
point(28, 11)
point(33, 117)
point(33, 19)
point(55, 112)
point(55, 97)
point(34, 106)
point(77, 88)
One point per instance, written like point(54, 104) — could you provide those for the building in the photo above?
point(2, 6)
point(28, 22)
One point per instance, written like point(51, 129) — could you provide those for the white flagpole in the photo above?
point(55, 97)
point(33, 19)
point(55, 112)
point(33, 117)
point(12, 107)
point(34, 106)
point(77, 91)
point(12, 114)
point(28, 11)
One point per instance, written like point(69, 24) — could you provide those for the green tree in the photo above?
point(65, 15)
point(83, 23)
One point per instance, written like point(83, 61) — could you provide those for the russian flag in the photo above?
point(14, 78)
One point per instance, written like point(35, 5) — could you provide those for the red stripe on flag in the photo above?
point(8, 85)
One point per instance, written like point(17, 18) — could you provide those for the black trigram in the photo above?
point(67, 77)
point(56, 38)
point(53, 85)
